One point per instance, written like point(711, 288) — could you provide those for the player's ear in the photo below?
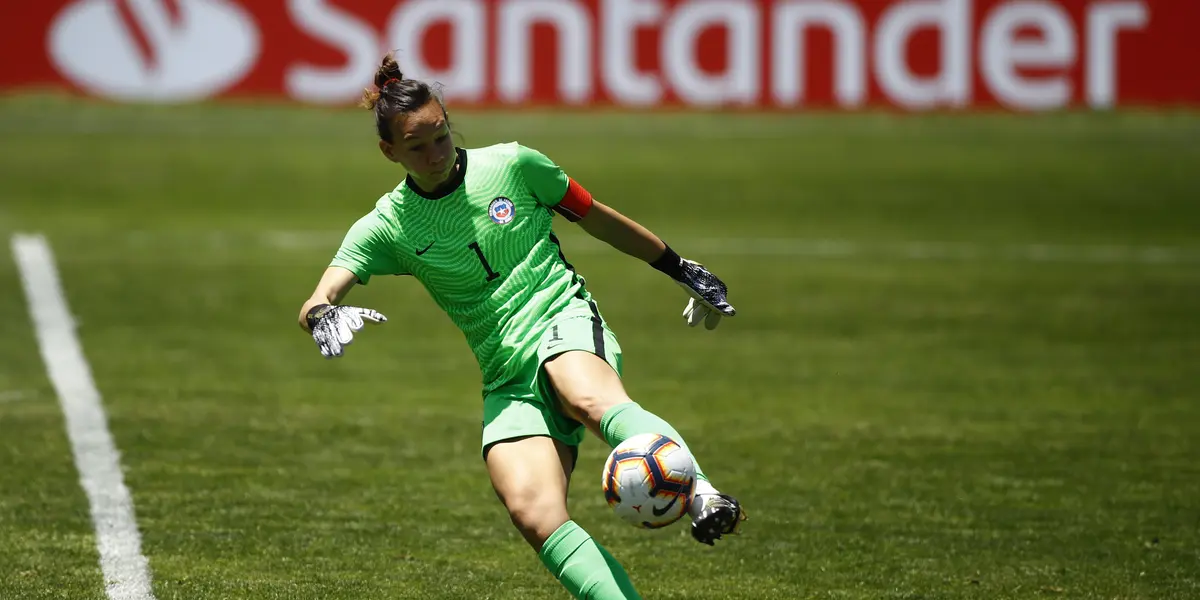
point(388, 150)
point(449, 123)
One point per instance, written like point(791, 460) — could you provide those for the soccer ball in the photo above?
point(649, 480)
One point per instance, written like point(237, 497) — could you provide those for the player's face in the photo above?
point(422, 145)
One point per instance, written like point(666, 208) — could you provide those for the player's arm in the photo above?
point(615, 229)
point(365, 251)
point(551, 186)
point(708, 293)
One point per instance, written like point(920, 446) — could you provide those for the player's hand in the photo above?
point(333, 327)
point(707, 291)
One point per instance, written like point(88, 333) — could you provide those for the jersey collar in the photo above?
point(451, 185)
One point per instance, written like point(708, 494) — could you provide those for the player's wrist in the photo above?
point(314, 315)
point(670, 263)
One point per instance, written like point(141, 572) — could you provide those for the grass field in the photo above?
point(966, 362)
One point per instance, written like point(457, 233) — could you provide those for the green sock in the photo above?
point(584, 567)
point(624, 421)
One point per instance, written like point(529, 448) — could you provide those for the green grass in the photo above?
point(974, 423)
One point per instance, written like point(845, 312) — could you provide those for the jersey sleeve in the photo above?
point(368, 250)
point(546, 179)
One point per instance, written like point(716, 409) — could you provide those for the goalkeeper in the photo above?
point(474, 227)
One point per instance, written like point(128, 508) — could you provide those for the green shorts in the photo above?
point(526, 405)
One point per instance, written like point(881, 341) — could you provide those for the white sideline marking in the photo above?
point(126, 571)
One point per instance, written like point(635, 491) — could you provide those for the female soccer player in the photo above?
point(474, 227)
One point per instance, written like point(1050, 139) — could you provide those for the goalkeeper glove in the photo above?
point(707, 292)
point(333, 327)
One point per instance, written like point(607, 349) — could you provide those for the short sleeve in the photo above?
point(368, 249)
point(544, 178)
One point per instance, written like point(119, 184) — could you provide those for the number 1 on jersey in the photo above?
point(483, 259)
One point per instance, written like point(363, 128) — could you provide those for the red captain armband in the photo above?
point(575, 203)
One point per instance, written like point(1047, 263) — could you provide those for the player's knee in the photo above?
point(535, 513)
point(590, 408)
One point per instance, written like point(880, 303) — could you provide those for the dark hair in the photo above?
point(396, 95)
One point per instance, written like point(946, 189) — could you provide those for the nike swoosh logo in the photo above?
point(660, 512)
point(426, 249)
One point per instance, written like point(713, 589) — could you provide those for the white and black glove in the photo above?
point(707, 292)
point(333, 327)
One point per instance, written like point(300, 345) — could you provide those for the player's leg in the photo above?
point(590, 391)
point(530, 476)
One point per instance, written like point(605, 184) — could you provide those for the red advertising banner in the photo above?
point(781, 54)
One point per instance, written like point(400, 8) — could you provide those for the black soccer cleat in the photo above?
point(720, 515)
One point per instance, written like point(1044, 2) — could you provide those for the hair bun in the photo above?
point(388, 70)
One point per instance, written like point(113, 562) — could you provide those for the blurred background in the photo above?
point(963, 238)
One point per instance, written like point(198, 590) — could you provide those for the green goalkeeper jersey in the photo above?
point(485, 252)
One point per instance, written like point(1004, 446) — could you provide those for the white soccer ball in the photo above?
point(649, 480)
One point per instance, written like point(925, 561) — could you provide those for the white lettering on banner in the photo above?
point(1104, 21)
point(952, 85)
point(740, 81)
point(621, 19)
point(209, 46)
point(465, 78)
point(1029, 52)
point(343, 31)
point(574, 49)
point(1003, 51)
point(789, 65)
